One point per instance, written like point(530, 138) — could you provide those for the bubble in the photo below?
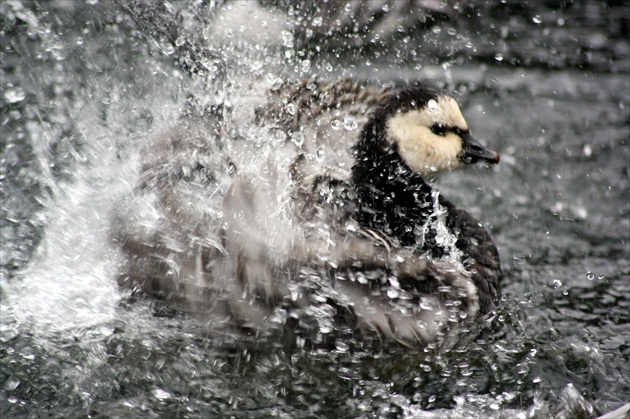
point(336, 125)
point(590, 276)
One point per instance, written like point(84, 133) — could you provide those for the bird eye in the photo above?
point(438, 129)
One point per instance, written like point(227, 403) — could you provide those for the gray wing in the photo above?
point(323, 120)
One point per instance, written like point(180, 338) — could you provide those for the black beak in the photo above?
point(474, 151)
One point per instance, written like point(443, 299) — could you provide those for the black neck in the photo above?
point(392, 197)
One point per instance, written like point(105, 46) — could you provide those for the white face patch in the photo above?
point(422, 150)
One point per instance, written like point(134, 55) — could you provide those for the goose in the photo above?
point(310, 216)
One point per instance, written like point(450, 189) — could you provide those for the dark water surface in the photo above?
point(86, 84)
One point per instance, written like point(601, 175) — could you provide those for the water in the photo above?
point(84, 89)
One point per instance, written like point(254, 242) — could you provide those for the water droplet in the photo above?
point(350, 123)
point(425, 304)
point(11, 384)
point(318, 21)
point(590, 276)
point(300, 342)
point(28, 356)
point(587, 150)
point(341, 346)
point(325, 328)
point(160, 364)
point(14, 95)
point(287, 39)
point(161, 394)
point(580, 213)
point(291, 108)
point(432, 105)
point(556, 283)
point(12, 399)
point(537, 20)
point(498, 57)
point(392, 293)
point(335, 125)
point(508, 396)
point(168, 48)
point(297, 138)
